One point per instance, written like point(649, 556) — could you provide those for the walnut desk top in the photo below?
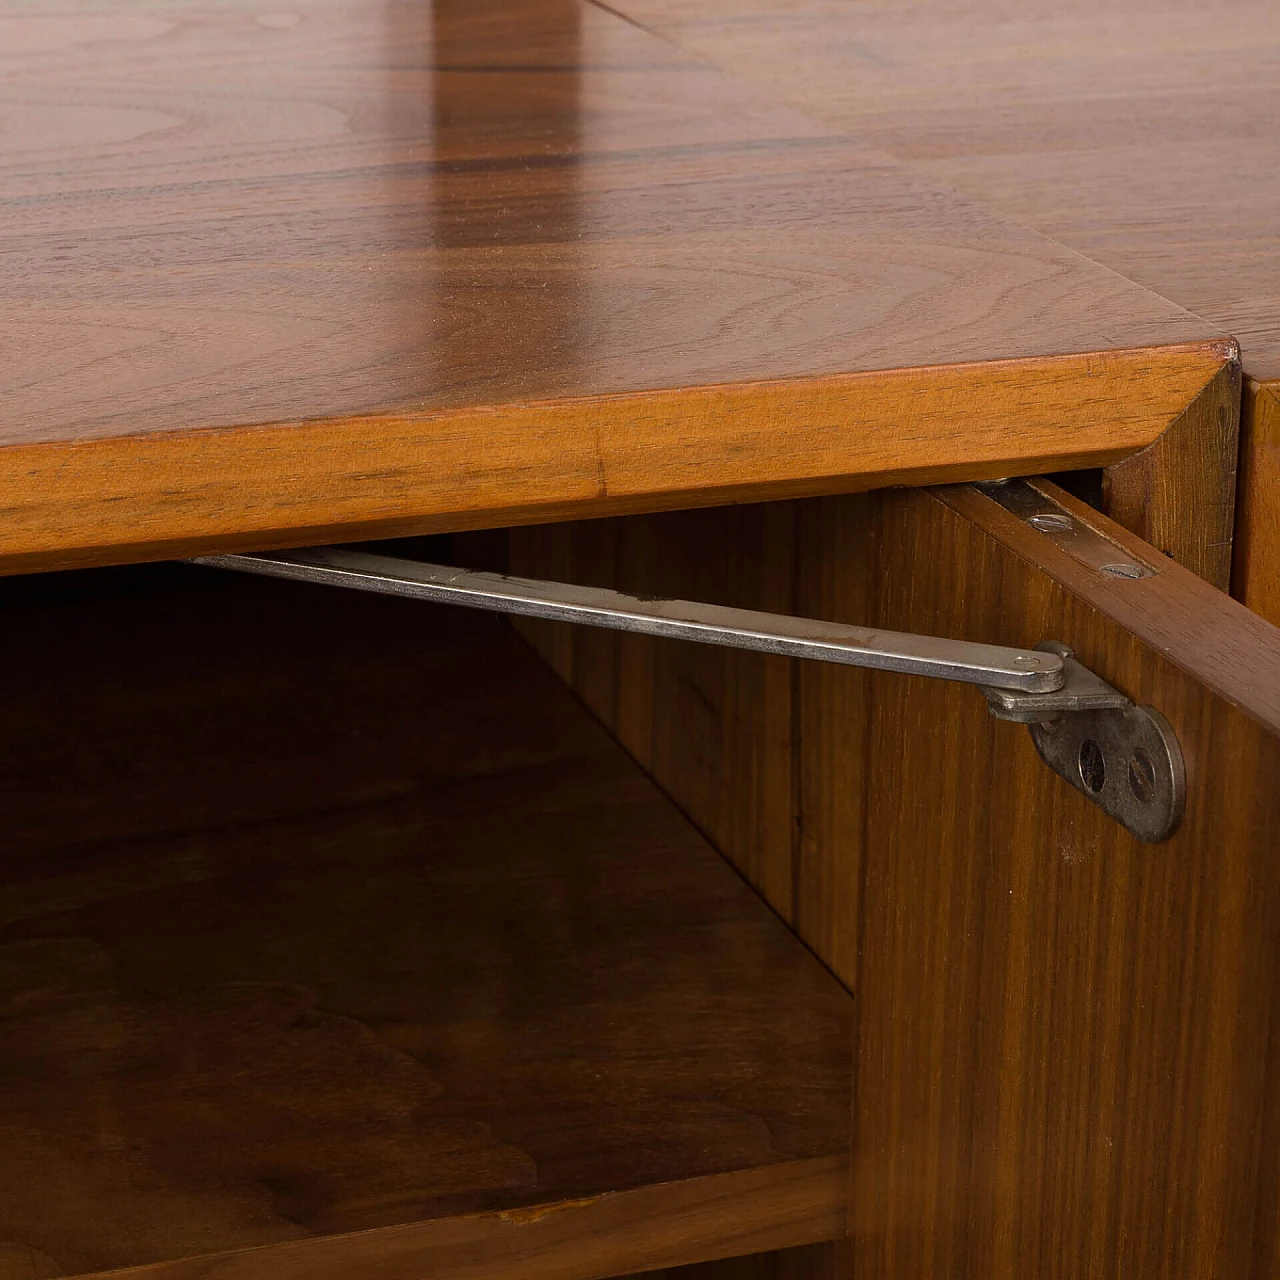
point(275, 276)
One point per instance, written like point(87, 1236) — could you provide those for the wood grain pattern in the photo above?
point(1068, 1071)
point(1179, 494)
point(1143, 135)
point(1256, 577)
point(334, 937)
point(1064, 1061)
point(415, 267)
point(173, 494)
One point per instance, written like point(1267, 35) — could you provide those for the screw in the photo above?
point(1051, 522)
point(1121, 570)
point(1142, 776)
point(1093, 767)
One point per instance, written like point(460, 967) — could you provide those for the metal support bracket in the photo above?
point(1123, 758)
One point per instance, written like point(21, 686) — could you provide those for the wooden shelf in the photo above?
point(468, 264)
point(336, 938)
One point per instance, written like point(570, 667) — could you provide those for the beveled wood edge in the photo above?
point(163, 495)
point(748, 1211)
point(1232, 651)
point(1179, 493)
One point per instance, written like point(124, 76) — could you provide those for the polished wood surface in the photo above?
point(1145, 135)
point(161, 496)
point(1064, 1062)
point(284, 276)
point(335, 938)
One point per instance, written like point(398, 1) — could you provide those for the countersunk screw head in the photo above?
point(1051, 522)
point(1121, 570)
point(1093, 766)
point(1142, 776)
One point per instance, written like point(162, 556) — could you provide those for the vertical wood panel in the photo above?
point(1179, 493)
point(834, 753)
point(716, 727)
point(1065, 1038)
point(1256, 579)
point(1065, 1062)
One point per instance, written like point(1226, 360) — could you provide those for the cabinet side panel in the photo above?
point(1256, 577)
point(1179, 493)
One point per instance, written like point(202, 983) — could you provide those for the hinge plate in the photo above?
point(1126, 761)
point(1080, 540)
point(1081, 691)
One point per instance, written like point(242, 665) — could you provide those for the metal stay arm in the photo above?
point(1020, 670)
point(1125, 759)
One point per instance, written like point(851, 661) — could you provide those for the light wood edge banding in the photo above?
point(169, 494)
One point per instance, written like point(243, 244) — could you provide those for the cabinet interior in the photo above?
point(335, 931)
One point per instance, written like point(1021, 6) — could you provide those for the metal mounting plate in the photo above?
point(1024, 499)
point(1127, 762)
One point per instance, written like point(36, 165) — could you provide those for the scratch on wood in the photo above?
point(524, 1217)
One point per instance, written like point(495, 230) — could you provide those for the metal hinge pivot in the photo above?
point(1123, 758)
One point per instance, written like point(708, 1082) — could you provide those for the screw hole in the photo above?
point(1142, 776)
point(1093, 768)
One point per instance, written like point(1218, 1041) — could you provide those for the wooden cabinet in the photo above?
point(337, 936)
point(346, 936)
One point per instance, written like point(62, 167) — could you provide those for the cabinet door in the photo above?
point(1066, 1053)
